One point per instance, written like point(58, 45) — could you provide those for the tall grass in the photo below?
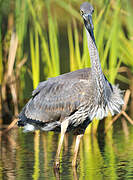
point(1, 63)
point(53, 41)
point(77, 60)
point(51, 58)
point(126, 40)
point(35, 58)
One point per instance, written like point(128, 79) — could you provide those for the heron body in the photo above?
point(72, 100)
point(57, 99)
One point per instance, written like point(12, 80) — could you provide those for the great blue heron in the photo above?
point(72, 100)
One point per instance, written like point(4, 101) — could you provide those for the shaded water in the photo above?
point(31, 156)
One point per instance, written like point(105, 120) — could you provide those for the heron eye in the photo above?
point(92, 10)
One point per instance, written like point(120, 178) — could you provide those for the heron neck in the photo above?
point(94, 56)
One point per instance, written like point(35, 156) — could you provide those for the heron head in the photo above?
point(86, 11)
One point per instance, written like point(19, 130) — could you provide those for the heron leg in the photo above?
point(64, 126)
point(78, 138)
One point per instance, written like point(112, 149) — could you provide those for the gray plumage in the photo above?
point(78, 96)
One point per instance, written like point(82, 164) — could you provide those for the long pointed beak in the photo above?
point(89, 26)
point(90, 21)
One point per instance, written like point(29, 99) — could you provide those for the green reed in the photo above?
point(50, 50)
point(1, 63)
point(109, 33)
point(35, 58)
point(126, 44)
point(53, 41)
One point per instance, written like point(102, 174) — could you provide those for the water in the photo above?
point(30, 156)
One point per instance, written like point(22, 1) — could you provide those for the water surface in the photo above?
point(31, 155)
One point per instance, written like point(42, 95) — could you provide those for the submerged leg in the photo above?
point(64, 126)
point(76, 149)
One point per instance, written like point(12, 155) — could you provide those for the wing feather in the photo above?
point(54, 100)
point(57, 97)
point(78, 74)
